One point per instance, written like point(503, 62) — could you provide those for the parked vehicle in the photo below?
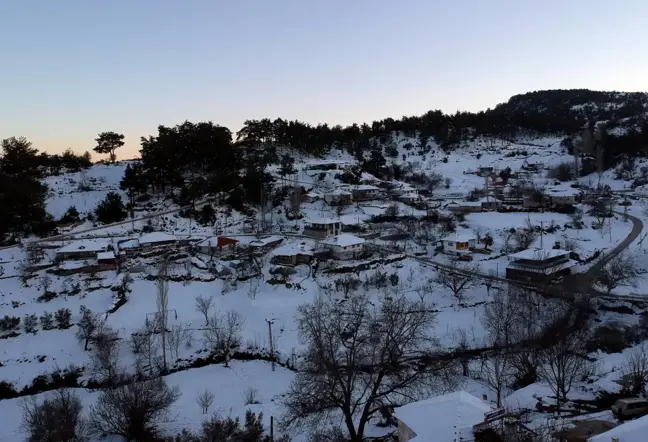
point(630, 408)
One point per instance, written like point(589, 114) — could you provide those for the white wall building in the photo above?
point(459, 243)
point(345, 246)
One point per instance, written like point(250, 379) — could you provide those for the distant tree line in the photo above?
point(191, 160)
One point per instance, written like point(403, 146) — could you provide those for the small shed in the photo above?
point(266, 243)
point(465, 206)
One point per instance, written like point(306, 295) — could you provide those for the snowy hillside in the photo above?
point(256, 280)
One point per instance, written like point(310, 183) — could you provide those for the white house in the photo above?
point(344, 246)
point(459, 243)
point(321, 228)
point(563, 197)
point(447, 418)
point(81, 249)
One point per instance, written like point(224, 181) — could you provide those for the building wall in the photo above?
point(522, 275)
point(80, 254)
point(405, 433)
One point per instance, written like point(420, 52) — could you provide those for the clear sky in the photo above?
point(73, 68)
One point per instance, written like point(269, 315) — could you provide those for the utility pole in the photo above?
point(610, 227)
point(271, 428)
point(272, 355)
point(541, 233)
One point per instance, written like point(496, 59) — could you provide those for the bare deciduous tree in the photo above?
point(500, 317)
point(88, 326)
point(205, 400)
point(457, 278)
point(635, 370)
point(497, 372)
point(203, 306)
point(524, 238)
point(253, 288)
point(162, 303)
point(622, 270)
point(251, 396)
point(223, 333)
point(57, 418)
point(104, 354)
point(133, 410)
point(177, 335)
point(359, 358)
point(564, 363)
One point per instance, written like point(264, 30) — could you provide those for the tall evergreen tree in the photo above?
point(108, 143)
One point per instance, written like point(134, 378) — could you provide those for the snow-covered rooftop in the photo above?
point(365, 187)
point(409, 195)
point(105, 255)
point(440, 419)
point(633, 431)
point(84, 245)
point(322, 220)
point(156, 237)
point(563, 192)
point(539, 254)
point(293, 248)
point(212, 241)
point(340, 192)
point(130, 244)
point(261, 242)
point(460, 237)
point(343, 240)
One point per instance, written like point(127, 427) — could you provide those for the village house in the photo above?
point(107, 261)
point(321, 228)
point(310, 197)
point(292, 254)
point(490, 203)
point(447, 418)
point(484, 170)
point(128, 248)
point(156, 241)
point(364, 192)
point(539, 264)
point(338, 196)
point(563, 197)
point(464, 206)
point(411, 197)
point(459, 243)
point(344, 246)
point(81, 249)
point(536, 200)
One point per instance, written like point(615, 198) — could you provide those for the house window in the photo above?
point(451, 244)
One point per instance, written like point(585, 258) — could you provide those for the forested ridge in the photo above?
point(190, 160)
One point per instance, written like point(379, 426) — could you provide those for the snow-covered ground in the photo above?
point(260, 299)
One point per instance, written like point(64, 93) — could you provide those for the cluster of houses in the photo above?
point(348, 194)
point(101, 254)
point(559, 197)
point(461, 416)
point(534, 265)
point(322, 238)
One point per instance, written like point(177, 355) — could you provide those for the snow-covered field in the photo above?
point(260, 299)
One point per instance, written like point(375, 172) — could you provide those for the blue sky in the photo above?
point(73, 68)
